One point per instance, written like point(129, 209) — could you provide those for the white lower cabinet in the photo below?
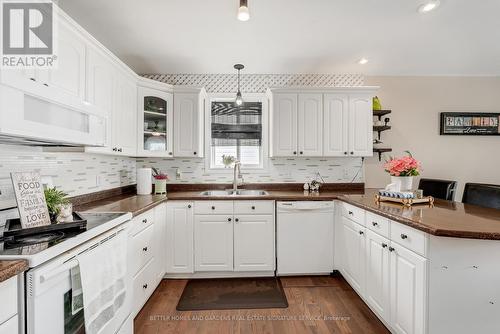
point(160, 235)
point(213, 243)
point(408, 291)
point(353, 264)
point(377, 274)
point(180, 235)
point(254, 243)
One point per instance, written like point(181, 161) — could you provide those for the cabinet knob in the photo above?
point(229, 219)
point(114, 149)
point(351, 213)
point(301, 152)
point(391, 249)
point(294, 152)
point(345, 153)
point(352, 153)
point(145, 286)
point(144, 221)
point(404, 236)
point(374, 224)
point(384, 245)
point(145, 249)
point(119, 150)
point(189, 206)
point(213, 207)
point(169, 153)
point(194, 153)
point(361, 232)
point(236, 220)
point(253, 207)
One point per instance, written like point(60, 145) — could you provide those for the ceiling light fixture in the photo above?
point(363, 61)
point(239, 98)
point(243, 12)
point(429, 6)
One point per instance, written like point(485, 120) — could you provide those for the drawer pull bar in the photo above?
point(374, 224)
point(404, 236)
point(384, 245)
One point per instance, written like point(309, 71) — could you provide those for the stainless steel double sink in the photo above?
point(235, 193)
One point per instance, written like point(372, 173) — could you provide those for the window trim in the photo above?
point(225, 97)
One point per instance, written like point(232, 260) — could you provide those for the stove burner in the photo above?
point(36, 239)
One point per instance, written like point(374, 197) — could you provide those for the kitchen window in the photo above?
point(236, 131)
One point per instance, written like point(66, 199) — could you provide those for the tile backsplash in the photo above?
point(289, 170)
point(74, 173)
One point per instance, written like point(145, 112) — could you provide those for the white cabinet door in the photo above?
point(377, 274)
point(310, 125)
point(284, 125)
point(213, 242)
point(360, 125)
point(124, 119)
point(353, 265)
point(100, 81)
point(253, 242)
point(188, 130)
point(408, 291)
point(160, 229)
point(179, 250)
point(336, 123)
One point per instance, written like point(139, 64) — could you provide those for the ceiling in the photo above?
point(461, 37)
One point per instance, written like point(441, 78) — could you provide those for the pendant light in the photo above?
point(239, 98)
point(243, 13)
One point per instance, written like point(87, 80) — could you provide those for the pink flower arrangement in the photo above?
point(161, 176)
point(404, 166)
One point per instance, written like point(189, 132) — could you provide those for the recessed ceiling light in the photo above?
point(363, 61)
point(429, 6)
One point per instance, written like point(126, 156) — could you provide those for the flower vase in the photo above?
point(160, 187)
point(402, 183)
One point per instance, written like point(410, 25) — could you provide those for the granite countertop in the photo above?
point(136, 204)
point(10, 269)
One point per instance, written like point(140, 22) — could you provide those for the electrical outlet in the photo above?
point(98, 180)
point(345, 173)
point(178, 174)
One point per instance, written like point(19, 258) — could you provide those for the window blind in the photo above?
point(234, 125)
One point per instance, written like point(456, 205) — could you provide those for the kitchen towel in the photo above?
point(103, 274)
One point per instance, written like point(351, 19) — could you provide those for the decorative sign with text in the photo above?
point(30, 199)
point(470, 124)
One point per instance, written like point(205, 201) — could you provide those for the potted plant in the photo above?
point(160, 183)
point(402, 171)
point(228, 160)
point(57, 204)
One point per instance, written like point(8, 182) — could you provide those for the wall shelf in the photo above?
point(381, 150)
point(380, 113)
point(380, 128)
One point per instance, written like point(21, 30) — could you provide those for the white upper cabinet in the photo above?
point(360, 125)
point(322, 122)
point(100, 80)
point(155, 121)
point(310, 125)
point(336, 122)
point(284, 125)
point(189, 105)
point(124, 117)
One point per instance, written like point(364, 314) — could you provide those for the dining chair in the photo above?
point(442, 189)
point(486, 195)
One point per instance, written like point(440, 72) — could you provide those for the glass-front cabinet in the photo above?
point(155, 123)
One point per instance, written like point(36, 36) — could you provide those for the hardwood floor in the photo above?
point(316, 305)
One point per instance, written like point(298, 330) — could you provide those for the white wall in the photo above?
point(416, 103)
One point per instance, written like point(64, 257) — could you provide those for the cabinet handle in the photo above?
point(32, 79)
point(169, 153)
point(145, 249)
point(352, 153)
point(345, 153)
point(384, 245)
point(404, 236)
point(301, 152)
point(374, 224)
point(253, 207)
point(351, 213)
point(361, 232)
point(194, 153)
point(46, 84)
point(213, 207)
point(115, 149)
point(229, 219)
point(236, 220)
point(119, 150)
point(145, 286)
point(391, 249)
point(294, 152)
point(189, 206)
point(144, 221)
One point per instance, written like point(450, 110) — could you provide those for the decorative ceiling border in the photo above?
point(258, 83)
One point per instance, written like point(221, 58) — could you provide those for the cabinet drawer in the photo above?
point(378, 224)
point(354, 213)
point(8, 292)
point(409, 237)
point(142, 221)
point(213, 207)
point(143, 286)
point(253, 207)
point(11, 326)
point(142, 248)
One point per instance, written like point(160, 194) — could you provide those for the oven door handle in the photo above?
point(65, 267)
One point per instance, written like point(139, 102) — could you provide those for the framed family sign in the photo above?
point(470, 124)
point(30, 199)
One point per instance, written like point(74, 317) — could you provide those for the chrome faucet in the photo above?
point(237, 175)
